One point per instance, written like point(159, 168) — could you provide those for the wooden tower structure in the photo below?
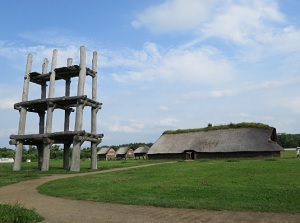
point(46, 105)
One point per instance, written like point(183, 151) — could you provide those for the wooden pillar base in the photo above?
point(94, 156)
point(75, 165)
point(40, 156)
point(66, 158)
point(46, 157)
point(18, 157)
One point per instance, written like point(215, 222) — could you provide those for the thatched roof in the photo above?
point(103, 150)
point(142, 149)
point(218, 141)
point(123, 150)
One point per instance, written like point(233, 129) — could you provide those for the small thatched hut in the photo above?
point(228, 141)
point(141, 151)
point(125, 152)
point(107, 153)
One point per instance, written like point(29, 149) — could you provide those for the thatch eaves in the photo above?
point(123, 150)
point(142, 149)
point(103, 150)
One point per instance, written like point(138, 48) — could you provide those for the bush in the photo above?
point(18, 214)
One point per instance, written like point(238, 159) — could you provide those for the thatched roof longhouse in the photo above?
point(106, 153)
point(231, 140)
point(103, 150)
point(125, 152)
point(142, 150)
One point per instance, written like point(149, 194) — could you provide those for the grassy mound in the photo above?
point(217, 127)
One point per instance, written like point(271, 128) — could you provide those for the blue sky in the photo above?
point(163, 64)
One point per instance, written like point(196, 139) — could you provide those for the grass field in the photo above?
point(267, 185)
point(30, 171)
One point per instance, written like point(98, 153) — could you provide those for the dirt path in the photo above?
point(58, 210)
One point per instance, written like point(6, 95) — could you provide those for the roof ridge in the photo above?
point(218, 127)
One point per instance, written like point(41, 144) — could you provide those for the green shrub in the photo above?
point(18, 214)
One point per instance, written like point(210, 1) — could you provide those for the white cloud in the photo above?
point(164, 108)
point(239, 21)
point(286, 40)
point(244, 22)
point(9, 97)
point(7, 132)
point(70, 49)
point(258, 25)
point(56, 37)
point(222, 93)
point(125, 126)
point(244, 115)
point(174, 15)
point(196, 94)
point(205, 64)
point(270, 85)
point(182, 63)
point(200, 65)
point(168, 122)
point(7, 103)
point(116, 127)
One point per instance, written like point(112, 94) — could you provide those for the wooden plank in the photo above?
point(65, 103)
point(49, 135)
point(56, 138)
point(62, 73)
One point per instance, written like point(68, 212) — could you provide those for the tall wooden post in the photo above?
point(75, 166)
point(44, 85)
point(47, 143)
point(66, 154)
point(40, 147)
point(23, 112)
point(94, 113)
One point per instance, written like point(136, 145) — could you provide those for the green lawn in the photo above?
point(267, 185)
point(30, 171)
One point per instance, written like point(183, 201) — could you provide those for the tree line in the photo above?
point(288, 140)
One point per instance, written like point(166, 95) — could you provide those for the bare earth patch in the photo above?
point(58, 210)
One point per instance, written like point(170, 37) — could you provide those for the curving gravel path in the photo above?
point(58, 210)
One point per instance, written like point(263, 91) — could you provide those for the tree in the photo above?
point(56, 152)
point(7, 153)
point(133, 145)
point(288, 140)
point(85, 153)
point(30, 153)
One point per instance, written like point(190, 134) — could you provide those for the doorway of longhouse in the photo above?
point(190, 155)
